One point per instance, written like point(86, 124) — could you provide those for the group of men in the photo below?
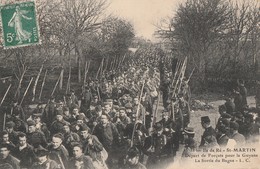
point(112, 124)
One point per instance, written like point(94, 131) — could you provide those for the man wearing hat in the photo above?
point(189, 141)
point(43, 161)
point(35, 138)
point(209, 131)
point(69, 138)
point(7, 158)
point(58, 152)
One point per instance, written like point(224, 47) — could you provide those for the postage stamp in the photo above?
point(19, 25)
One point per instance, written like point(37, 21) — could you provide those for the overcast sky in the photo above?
point(143, 13)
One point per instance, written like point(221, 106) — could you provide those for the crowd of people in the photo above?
point(115, 123)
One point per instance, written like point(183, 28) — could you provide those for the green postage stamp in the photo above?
point(19, 25)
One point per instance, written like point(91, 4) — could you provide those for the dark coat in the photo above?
point(26, 156)
point(87, 162)
point(11, 160)
point(223, 140)
point(208, 132)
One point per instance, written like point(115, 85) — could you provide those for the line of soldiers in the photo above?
point(113, 124)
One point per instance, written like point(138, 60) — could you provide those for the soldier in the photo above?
point(209, 131)
point(238, 101)
point(185, 107)
point(24, 152)
point(229, 105)
point(49, 113)
point(243, 92)
point(257, 95)
point(17, 110)
point(6, 157)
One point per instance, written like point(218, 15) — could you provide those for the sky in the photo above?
point(144, 14)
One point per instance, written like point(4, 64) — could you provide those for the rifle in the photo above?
point(190, 75)
point(43, 82)
point(2, 103)
point(136, 115)
point(156, 109)
point(20, 83)
point(56, 85)
point(26, 91)
point(36, 81)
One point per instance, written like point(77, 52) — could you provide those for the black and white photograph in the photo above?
point(129, 84)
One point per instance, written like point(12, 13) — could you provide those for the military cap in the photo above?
point(133, 152)
point(234, 125)
point(128, 105)
point(31, 123)
point(10, 124)
point(189, 130)
point(205, 119)
point(106, 103)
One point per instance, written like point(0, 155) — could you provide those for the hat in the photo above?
point(122, 108)
point(95, 97)
point(226, 115)
point(10, 124)
point(37, 115)
point(59, 112)
point(66, 109)
point(133, 152)
point(59, 135)
point(234, 125)
point(84, 128)
point(31, 123)
point(40, 151)
point(128, 105)
point(116, 107)
point(189, 130)
point(205, 119)
point(98, 108)
point(80, 117)
point(158, 126)
point(109, 100)
point(5, 145)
